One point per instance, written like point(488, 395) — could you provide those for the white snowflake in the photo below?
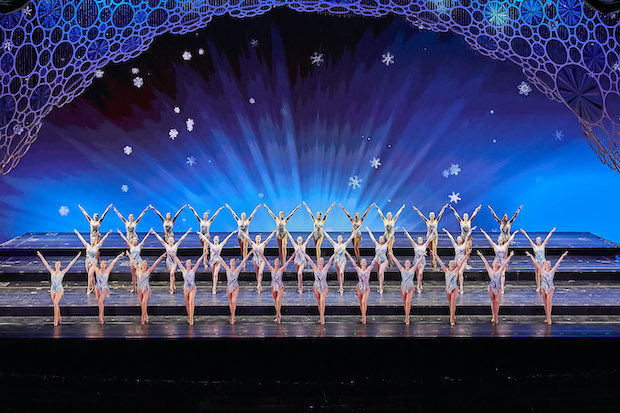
point(616, 66)
point(63, 210)
point(27, 10)
point(173, 133)
point(191, 161)
point(135, 70)
point(558, 135)
point(491, 111)
point(189, 123)
point(455, 169)
point(124, 188)
point(138, 81)
point(374, 163)
point(177, 109)
point(98, 73)
point(317, 59)
point(355, 182)
point(254, 43)
point(387, 58)
point(128, 150)
point(261, 195)
point(252, 100)
point(455, 197)
point(201, 51)
point(494, 140)
point(7, 45)
point(18, 129)
point(524, 89)
point(591, 75)
point(187, 55)
point(446, 173)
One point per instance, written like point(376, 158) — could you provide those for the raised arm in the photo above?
point(450, 236)
point(178, 212)
point(352, 260)
point(398, 212)
point(120, 216)
point(205, 239)
point(347, 213)
point(73, 261)
point(528, 238)
point(45, 262)
point(365, 212)
point(232, 212)
point(195, 213)
point(214, 215)
point(420, 214)
point(488, 238)
point(441, 264)
point(328, 210)
point(270, 212)
point(380, 212)
point(246, 258)
point(124, 238)
point(159, 238)
point(505, 264)
point(351, 239)
point(105, 213)
point(266, 261)
point(228, 237)
point(330, 239)
point(441, 212)
point(289, 259)
point(179, 263)
point(200, 261)
point(456, 214)
point(484, 261)
point(157, 212)
point(400, 267)
point(292, 213)
point(251, 217)
point(515, 215)
point(150, 270)
point(371, 236)
point(85, 213)
point(464, 262)
point(183, 237)
point(512, 237)
point(269, 237)
point(499, 221)
point(557, 263)
point(548, 237)
point(409, 236)
point(247, 237)
point(141, 215)
point(145, 237)
point(104, 237)
point(473, 215)
point(533, 260)
point(305, 244)
point(118, 257)
point(86, 244)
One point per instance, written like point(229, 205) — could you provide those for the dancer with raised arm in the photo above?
point(318, 233)
point(363, 282)
point(215, 250)
point(431, 230)
point(205, 226)
point(339, 258)
point(135, 249)
point(539, 253)
point(168, 222)
point(504, 224)
point(243, 226)
point(144, 288)
point(419, 250)
point(171, 252)
point(277, 285)
point(407, 274)
point(95, 223)
point(356, 229)
point(282, 233)
point(466, 229)
point(452, 291)
point(189, 285)
point(259, 263)
point(320, 282)
point(91, 258)
point(102, 274)
point(232, 281)
point(460, 248)
point(130, 223)
point(546, 279)
point(300, 260)
point(56, 289)
point(495, 284)
point(380, 260)
point(501, 250)
point(388, 224)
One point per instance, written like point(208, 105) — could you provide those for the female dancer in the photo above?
point(259, 264)
point(318, 233)
point(144, 288)
point(215, 249)
point(205, 226)
point(504, 224)
point(134, 252)
point(277, 286)
point(501, 249)
point(356, 229)
point(95, 223)
point(243, 225)
point(130, 224)
point(92, 257)
point(363, 285)
point(168, 222)
point(339, 258)
point(171, 252)
point(465, 223)
point(232, 285)
point(380, 257)
point(189, 284)
point(102, 274)
point(546, 274)
point(406, 285)
point(539, 253)
point(281, 222)
point(495, 285)
point(460, 247)
point(419, 249)
point(320, 282)
point(431, 230)
point(451, 289)
point(57, 289)
point(389, 223)
point(300, 260)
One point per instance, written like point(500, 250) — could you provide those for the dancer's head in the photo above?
point(538, 241)
point(57, 264)
point(168, 216)
point(276, 263)
point(381, 240)
point(496, 265)
point(356, 216)
point(388, 215)
point(500, 242)
point(96, 216)
point(205, 216)
point(103, 265)
point(547, 265)
point(319, 215)
point(243, 216)
point(188, 264)
point(505, 218)
point(143, 265)
point(171, 240)
point(299, 240)
point(281, 214)
point(134, 241)
point(320, 262)
point(431, 216)
point(459, 240)
point(216, 240)
point(465, 216)
point(420, 241)
point(407, 264)
point(130, 218)
point(452, 265)
point(363, 263)
point(339, 239)
point(258, 238)
point(232, 263)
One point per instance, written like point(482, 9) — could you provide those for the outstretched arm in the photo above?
point(352, 260)
point(328, 210)
point(371, 236)
point(118, 257)
point(179, 263)
point(269, 237)
point(456, 214)
point(536, 266)
point(228, 237)
point(309, 260)
point(365, 212)
point(548, 237)
point(505, 264)
point(145, 237)
point(349, 240)
point(330, 239)
point(450, 236)
point(120, 216)
point(85, 213)
point(441, 264)
point(309, 212)
point(270, 212)
point(214, 215)
point(104, 237)
point(292, 213)
point(105, 213)
point(157, 212)
point(289, 259)
point(150, 270)
point(305, 244)
point(159, 238)
point(400, 267)
point(183, 237)
point(485, 262)
point(488, 238)
point(233, 213)
point(223, 263)
point(420, 214)
point(528, 238)
point(515, 215)
point(409, 236)
point(441, 212)
point(73, 261)
point(178, 212)
point(86, 244)
point(195, 213)
point(557, 263)
point(265, 259)
point(251, 217)
point(347, 214)
point(380, 212)
point(499, 221)
point(141, 215)
point(124, 238)
point(246, 258)
point(475, 213)
point(398, 212)
point(512, 237)
point(45, 262)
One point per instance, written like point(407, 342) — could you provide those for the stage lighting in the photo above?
point(9, 6)
point(604, 6)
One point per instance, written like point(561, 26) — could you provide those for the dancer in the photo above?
point(419, 249)
point(381, 248)
point(407, 274)
point(431, 230)
point(460, 247)
point(300, 260)
point(277, 286)
point(363, 283)
point(144, 288)
point(546, 274)
point(504, 224)
point(171, 252)
point(501, 249)
point(102, 274)
point(389, 223)
point(539, 253)
point(205, 226)
point(320, 282)
point(495, 285)
point(215, 250)
point(232, 284)
point(356, 229)
point(95, 223)
point(466, 228)
point(134, 251)
point(259, 264)
point(168, 222)
point(130, 224)
point(189, 284)
point(243, 225)
point(318, 233)
point(451, 289)
point(339, 258)
point(57, 290)
point(282, 233)
point(92, 257)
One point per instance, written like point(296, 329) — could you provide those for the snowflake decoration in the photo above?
point(317, 59)
point(616, 66)
point(355, 182)
point(254, 43)
point(189, 123)
point(374, 163)
point(201, 51)
point(387, 58)
point(7, 45)
point(63, 210)
point(494, 140)
point(18, 129)
point(591, 75)
point(283, 111)
point(558, 135)
point(128, 150)
point(27, 10)
point(261, 195)
point(492, 112)
point(187, 55)
point(173, 133)
point(446, 173)
point(98, 73)
point(124, 188)
point(135, 70)
point(252, 100)
point(138, 81)
point(524, 89)
point(191, 161)
point(455, 169)
point(177, 109)
point(455, 197)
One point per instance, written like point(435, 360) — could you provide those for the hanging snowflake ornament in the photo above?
point(18, 129)
point(455, 169)
point(317, 58)
point(186, 55)
point(173, 133)
point(135, 70)
point(138, 82)
point(98, 73)
point(374, 163)
point(254, 43)
point(189, 123)
point(191, 161)
point(177, 109)
point(524, 89)
point(558, 135)
point(455, 197)
point(27, 11)
point(252, 100)
point(7, 45)
point(355, 182)
point(63, 210)
point(446, 173)
point(128, 150)
point(124, 188)
point(201, 51)
point(387, 58)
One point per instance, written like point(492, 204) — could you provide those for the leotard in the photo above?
point(168, 225)
point(389, 230)
point(204, 228)
point(57, 283)
point(406, 283)
point(94, 231)
point(242, 227)
point(102, 281)
point(281, 228)
point(143, 281)
point(276, 279)
point(320, 280)
point(189, 279)
point(363, 277)
point(539, 254)
point(339, 257)
point(450, 282)
point(232, 279)
point(459, 253)
point(381, 252)
point(171, 252)
point(500, 254)
point(465, 230)
point(356, 229)
point(130, 228)
point(318, 232)
point(215, 254)
point(300, 256)
point(547, 281)
point(495, 283)
point(431, 230)
point(420, 251)
point(505, 232)
point(257, 259)
point(134, 252)
point(91, 255)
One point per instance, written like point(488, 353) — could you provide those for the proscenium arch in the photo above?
point(52, 49)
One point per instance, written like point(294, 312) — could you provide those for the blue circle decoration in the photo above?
point(131, 44)
point(8, 21)
point(39, 97)
point(532, 11)
point(496, 14)
point(7, 108)
point(594, 57)
point(49, 12)
point(580, 92)
point(97, 49)
point(570, 11)
point(74, 34)
point(6, 63)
